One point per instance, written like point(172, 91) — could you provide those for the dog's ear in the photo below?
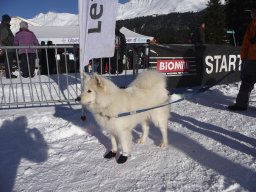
point(99, 80)
point(85, 76)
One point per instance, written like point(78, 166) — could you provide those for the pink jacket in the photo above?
point(25, 37)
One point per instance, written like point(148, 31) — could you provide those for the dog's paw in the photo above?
point(163, 145)
point(141, 141)
point(122, 159)
point(110, 155)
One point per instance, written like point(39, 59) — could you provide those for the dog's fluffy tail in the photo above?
point(149, 79)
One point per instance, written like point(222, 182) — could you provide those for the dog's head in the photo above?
point(91, 86)
point(96, 90)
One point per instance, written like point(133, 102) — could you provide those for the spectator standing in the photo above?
point(52, 58)
point(248, 71)
point(120, 48)
point(25, 37)
point(7, 39)
point(42, 60)
point(190, 39)
point(200, 34)
point(47, 59)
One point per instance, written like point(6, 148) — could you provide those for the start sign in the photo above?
point(171, 66)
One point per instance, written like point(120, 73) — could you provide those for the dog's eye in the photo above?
point(89, 91)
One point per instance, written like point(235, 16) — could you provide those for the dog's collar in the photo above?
point(107, 116)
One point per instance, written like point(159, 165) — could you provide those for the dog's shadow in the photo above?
point(154, 134)
point(89, 125)
point(92, 128)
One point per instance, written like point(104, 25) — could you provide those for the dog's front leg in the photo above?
point(125, 141)
point(113, 151)
point(113, 143)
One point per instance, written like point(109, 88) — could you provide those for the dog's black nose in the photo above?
point(78, 98)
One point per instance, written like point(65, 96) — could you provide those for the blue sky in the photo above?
point(30, 8)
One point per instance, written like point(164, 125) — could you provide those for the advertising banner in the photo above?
point(97, 20)
point(190, 65)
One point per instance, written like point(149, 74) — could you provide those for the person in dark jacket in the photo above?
point(42, 60)
point(200, 34)
point(25, 37)
point(191, 38)
point(248, 71)
point(51, 58)
point(47, 59)
point(7, 39)
point(120, 48)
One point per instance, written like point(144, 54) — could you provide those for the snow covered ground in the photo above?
point(210, 149)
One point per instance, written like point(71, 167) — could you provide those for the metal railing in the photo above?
point(55, 78)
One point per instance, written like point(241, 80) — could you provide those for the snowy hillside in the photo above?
point(131, 9)
point(56, 19)
point(139, 8)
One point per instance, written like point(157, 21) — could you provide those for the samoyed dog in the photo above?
point(118, 111)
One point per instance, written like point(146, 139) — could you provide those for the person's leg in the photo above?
point(120, 66)
point(113, 65)
point(244, 94)
point(8, 62)
point(248, 80)
point(32, 63)
point(24, 65)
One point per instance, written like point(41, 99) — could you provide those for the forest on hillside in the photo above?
point(174, 28)
point(171, 28)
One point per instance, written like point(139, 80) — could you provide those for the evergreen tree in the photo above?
point(215, 22)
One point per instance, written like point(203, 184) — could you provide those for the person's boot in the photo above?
point(11, 77)
point(236, 108)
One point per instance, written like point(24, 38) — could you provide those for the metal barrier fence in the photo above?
point(55, 77)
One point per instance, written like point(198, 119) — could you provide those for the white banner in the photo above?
point(97, 21)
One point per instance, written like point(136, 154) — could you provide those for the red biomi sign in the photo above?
point(171, 66)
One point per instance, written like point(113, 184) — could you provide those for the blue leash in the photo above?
point(140, 110)
point(147, 109)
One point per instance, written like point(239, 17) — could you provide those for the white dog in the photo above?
point(118, 111)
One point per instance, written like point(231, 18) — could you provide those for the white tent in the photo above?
point(132, 37)
point(57, 34)
point(70, 34)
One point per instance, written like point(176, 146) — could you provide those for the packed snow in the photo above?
point(210, 149)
